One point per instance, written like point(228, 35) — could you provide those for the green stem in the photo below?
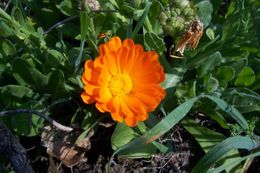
point(78, 60)
point(148, 25)
point(129, 28)
point(93, 45)
point(142, 19)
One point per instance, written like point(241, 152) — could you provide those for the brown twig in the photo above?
point(40, 114)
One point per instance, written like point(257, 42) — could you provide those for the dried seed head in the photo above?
point(93, 5)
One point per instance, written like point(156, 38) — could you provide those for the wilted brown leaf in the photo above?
point(63, 146)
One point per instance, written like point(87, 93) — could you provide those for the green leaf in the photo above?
point(210, 33)
point(127, 10)
point(5, 29)
point(159, 129)
point(217, 152)
point(216, 4)
point(7, 48)
point(89, 121)
point(255, 86)
point(246, 77)
point(69, 29)
point(85, 22)
point(56, 85)
point(209, 63)
point(66, 7)
point(172, 79)
point(14, 90)
point(27, 125)
point(86, 30)
point(173, 118)
point(204, 11)
point(74, 53)
point(18, 15)
point(230, 165)
point(123, 135)
point(55, 59)
point(154, 42)
point(26, 74)
point(231, 110)
point(2, 68)
point(154, 13)
point(205, 137)
point(211, 84)
point(225, 74)
point(208, 138)
point(238, 65)
point(4, 15)
point(140, 23)
point(45, 13)
point(243, 99)
point(186, 90)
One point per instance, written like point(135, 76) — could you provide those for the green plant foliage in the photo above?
point(204, 10)
point(213, 138)
point(237, 142)
point(44, 45)
point(124, 134)
point(246, 77)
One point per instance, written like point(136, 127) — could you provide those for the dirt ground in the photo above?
point(186, 153)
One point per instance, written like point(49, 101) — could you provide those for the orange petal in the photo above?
point(140, 80)
point(100, 107)
point(142, 117)
point(128, 43)
point(112, 45)
point(89, 89)
point(136, 105)
point(150, 88)
point(125, 109)
point(139, 49)
point(153, 55)
point(113, 105)
point(117, 117)
point(87, 98)
point(131, 121)
point(115, 109)
point(126, 59)
point(89, 65)
point(104, 78)
point(150, 101)
point(104, 95)
point(110, 62)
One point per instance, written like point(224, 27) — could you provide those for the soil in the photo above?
point(186, 153)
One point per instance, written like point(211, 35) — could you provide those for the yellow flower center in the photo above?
point(120, 84)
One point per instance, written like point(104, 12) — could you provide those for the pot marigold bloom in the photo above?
point(124, 80)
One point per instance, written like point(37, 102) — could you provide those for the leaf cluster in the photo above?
point(44, 45)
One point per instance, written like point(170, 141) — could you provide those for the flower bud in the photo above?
point(93, 5)
point(177, 17)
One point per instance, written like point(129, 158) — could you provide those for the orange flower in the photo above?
point(124, 80)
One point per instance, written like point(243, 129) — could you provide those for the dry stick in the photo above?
point(73, 17)
point(11, 149)
point(60, 23)
point(29, 111)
